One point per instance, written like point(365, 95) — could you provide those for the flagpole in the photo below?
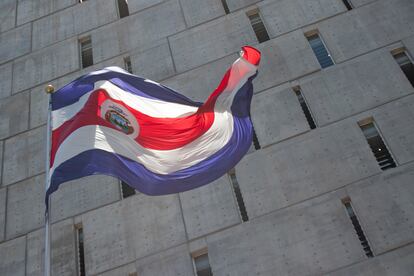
point(49, 89)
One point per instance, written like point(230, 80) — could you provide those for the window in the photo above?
point(318, 47)
point(305, 107)
point(358, 229)
point(86, 51)
point(256, 141)
point(258, 26)
point(81, 1)
point(378, 147)
point(406, 64)
point(123, 8)
point(239, 196)
point(348, 4)
point(128, 65)
point(225, 6)
point(127, 190)
point(80, 249)
point(202, 264)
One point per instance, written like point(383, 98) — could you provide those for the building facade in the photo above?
point(326, 189)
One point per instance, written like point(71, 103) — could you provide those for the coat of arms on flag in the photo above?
point(149, 136)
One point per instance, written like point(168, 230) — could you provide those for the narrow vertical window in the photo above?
point(239, 196)
point(80, 249)
point(377, 145)
point(81, 1)
point(225, 6)
point(123, 8)
point(406, 64)
point(258, 26)
point(202, 264)
point(318, 47)
point(127, 190)
point(358, 229)
point(348, 4)
point(305, 107)
point(127, 64)
point(256, 143)
point(86, 51)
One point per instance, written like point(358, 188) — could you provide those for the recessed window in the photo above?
point(305, 107)
point(348, 4)
point(406, 64)
point(127, 64)
point(123, 8)
point(127, 190)
point(238, 195)
point(258, 26)
point(377, 145)
point(202, 264)
point(86, 51)
point(81, 1)
point(256, 143)
point(321, 52)
point(225, 6)
point(80, 249)
point(358, 229)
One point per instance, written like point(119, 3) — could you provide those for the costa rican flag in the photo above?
point(149, 136)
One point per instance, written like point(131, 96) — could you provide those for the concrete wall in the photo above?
point(292, 187)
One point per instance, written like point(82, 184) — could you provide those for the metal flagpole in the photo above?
point(49, 89)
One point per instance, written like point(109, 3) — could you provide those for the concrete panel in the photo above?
point(211, 41)
point(173, 262)
point(396, 123)
point(7, 14)
point(384, 205)
point(12, 257)
point(154, 64)
point(310, 238)
point(199, 11)
point(24, 215)
point(1, 160)
point(14, 115)
point(29, 10)
point(367, 28)
point(63, 250)
point(39, 102)
point(139, 31)
point(2, 212)
point(137, 5)
point(207, 78)
point(82, 195)
point(5, 80)
point(283, 59)
point(355, 86)
point(277, 115)
point(24, 155)
point(133, 228)
point(44, 65)
point(72, 21)
point(15, 43)
point(399, 262)
point(128, 269)
point(409, 44)
point(285, 15)
point(209, 208)
point(359, 3)
point(319, 161)
point(238, 4)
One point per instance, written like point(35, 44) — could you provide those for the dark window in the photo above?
point(225, 6)
point(202, 265)
point(123, 8)
point(348, 4)
point(86, 52)
point(258, 26)
point(256, 141)
point(358, 229)
point(239, 196)
point(127, 190)
point(406, 65)
point(378, 147)
point(320, 50)
point(305, 107)
point(81, 1)
point(81, 249)
point(128, 65)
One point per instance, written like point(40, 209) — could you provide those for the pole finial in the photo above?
point(49, 89)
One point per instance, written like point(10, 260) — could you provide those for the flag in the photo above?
point(149, 136)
